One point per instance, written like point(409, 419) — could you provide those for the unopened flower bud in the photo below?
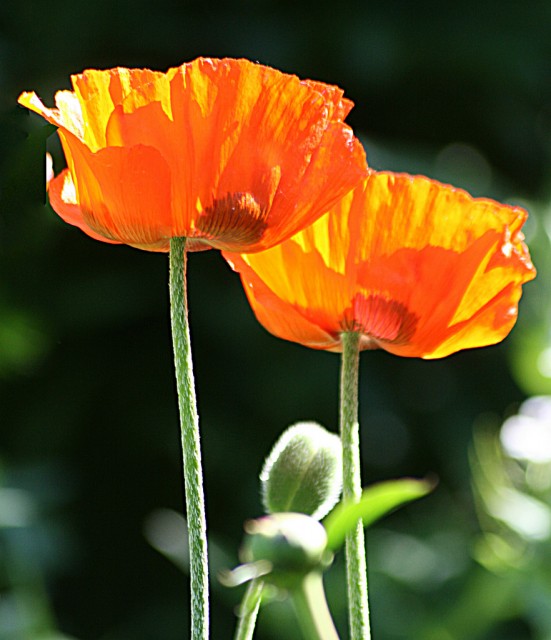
point(293, 543)
point(303, 472)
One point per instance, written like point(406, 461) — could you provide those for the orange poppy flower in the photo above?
point(228, 153)
point(417, 267)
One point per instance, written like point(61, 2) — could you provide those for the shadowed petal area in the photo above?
point(380, 320)
point(237, 218)
point(228, 153)
point(419, 268)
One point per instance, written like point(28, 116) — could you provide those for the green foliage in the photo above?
point(376, 501)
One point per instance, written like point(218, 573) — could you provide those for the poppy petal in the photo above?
point(123, 193)
point(278, 317)
point(62, 195)
point(419, 268)
point(239, 156)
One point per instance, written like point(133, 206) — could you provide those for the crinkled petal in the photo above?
point(267, 134)
point(100, 92)
point(254, 155)
point(418, 268)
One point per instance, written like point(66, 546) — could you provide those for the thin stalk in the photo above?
point(189, 424)
point(248, 610)
point(356, 566)
point(311, 608)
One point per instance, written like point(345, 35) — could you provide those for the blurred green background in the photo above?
point(90, 480)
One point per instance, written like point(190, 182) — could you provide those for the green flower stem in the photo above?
point(311, 608)
point(189, 424)
point(356, 566)
point(248, 610)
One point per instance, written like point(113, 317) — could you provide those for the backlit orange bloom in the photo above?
point(419, 268)
point(231, 154)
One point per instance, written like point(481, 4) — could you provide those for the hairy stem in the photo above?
point(356, 566)
point(189, 424)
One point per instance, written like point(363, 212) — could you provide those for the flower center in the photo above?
point(381, 319)
point(235, 219)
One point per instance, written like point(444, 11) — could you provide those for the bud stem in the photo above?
point(311, 608)
point(356, 566)
point(248, 610)
point(189, 424)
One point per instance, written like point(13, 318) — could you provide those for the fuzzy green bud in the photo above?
point(303, 472)
point(292, 543)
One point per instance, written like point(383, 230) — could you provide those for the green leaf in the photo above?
point(376, 501)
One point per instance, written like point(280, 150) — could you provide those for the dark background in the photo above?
point(90, 478)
